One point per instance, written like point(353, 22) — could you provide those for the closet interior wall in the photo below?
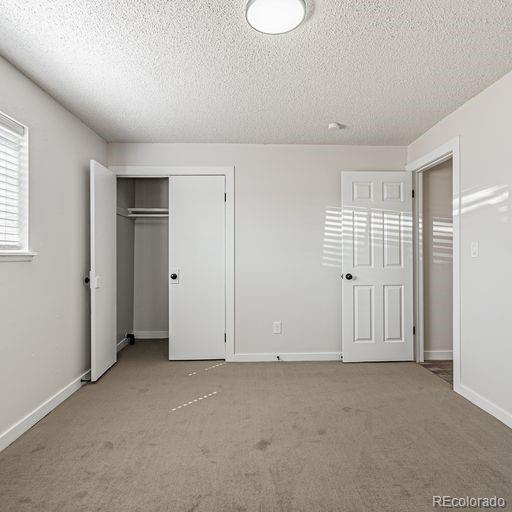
point(125, 258)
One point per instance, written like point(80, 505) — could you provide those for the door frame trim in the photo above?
point(449, 150)
point(149, 171)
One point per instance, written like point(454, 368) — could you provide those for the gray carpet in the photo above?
point(256, 437)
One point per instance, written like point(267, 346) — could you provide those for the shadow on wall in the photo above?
point(332, 243)
point(392, 229)
point(477, 198)
point(442, 240)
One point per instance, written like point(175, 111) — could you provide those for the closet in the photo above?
point(142, 258)
point(158, 264)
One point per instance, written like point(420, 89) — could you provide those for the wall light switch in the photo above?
point(277, 327)
point(474, 249)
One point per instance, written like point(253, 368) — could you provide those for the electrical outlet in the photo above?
point(277, 327)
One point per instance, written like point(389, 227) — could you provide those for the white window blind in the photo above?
point(13, 185)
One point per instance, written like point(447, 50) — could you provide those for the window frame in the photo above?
point(23, 252)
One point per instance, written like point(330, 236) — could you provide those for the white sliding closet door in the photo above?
point(103, 269)
point(197, 267)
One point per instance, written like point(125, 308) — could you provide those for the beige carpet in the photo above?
point(267, 437)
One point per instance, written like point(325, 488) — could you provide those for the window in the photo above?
point(13, 190)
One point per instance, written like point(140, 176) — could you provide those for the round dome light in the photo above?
point(275, 16)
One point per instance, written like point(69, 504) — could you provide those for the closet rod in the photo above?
point(147, 215)
point(148, 210)
point(129, 213)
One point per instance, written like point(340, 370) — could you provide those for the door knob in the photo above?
point(348, 277)
point(174, 276)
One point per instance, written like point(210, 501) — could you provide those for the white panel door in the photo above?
point(377, 266)
point(103, 269)
point(197, 267)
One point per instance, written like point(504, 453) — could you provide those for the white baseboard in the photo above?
point(121, 344)
point(485, 404)
point(438, 355)
point(19, 428)
point(149, 335)
point(287, 356)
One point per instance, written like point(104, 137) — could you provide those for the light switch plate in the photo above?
point(474, 249)
point(277, 327)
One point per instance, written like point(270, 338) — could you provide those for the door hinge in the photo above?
point(224, 337)
point(413, 193)
point(225, 197)
point(414, 329)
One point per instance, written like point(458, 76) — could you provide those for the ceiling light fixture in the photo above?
point(275, 16)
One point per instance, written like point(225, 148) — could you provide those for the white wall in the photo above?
point(437, 225)
point(282, 194)
point(44, 304)
point(483, 124)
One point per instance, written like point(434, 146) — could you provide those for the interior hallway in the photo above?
point(268, 436)
point(443, 369)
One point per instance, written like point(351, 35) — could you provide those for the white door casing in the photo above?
point(197, 259)
point(102, 276)
point(377, 314)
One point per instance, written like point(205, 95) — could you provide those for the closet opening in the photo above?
point(142, 264)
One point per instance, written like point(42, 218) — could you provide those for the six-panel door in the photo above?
point(377, 266)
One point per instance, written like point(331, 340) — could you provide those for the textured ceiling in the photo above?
point(194, 71)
